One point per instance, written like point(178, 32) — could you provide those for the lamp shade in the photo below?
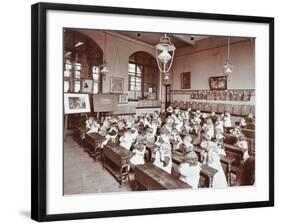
point(165, 51)
point(227, 68)
point(164, 57)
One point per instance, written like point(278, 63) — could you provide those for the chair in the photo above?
point(228, 108)
point(207, 107)
point(252, 109)
point(237, 109)
point(245, 110)
point(194, 106)
point(200, 106)
point(220, 108)
point(187, 104)
point(214, 107)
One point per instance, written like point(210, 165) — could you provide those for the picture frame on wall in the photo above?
point(186, 80)
point(48, 201)
point(87, 85)
point(218, 83)
point(123, 98)
point(116, 85)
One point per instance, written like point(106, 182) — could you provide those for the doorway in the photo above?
point(167, 96)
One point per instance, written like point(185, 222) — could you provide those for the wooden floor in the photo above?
point(82, 175)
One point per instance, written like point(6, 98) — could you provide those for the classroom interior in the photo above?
point(139, 117)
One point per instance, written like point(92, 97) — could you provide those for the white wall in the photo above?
point(205, 63)
point(15, 116)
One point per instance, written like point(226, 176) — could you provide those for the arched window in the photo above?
point(82, 57)
point(142, 76)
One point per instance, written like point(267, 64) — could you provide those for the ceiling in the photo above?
point(179, 40)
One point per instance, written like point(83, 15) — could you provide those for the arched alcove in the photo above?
point(143, 76)
point(82, 58)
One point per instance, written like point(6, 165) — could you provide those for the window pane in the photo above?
point(96, 87)
point(77, 87)
point(131, 68)
point(95, 69)
point(67, 73)
point(132, 79)
point(66, 86)
point(138, 87)
point(77, 74)
point(77, 66)
point(96, 76)
point(139, 69)
point(68, 66)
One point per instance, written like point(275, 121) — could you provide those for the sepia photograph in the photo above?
point(139, 111)
point(173, 126)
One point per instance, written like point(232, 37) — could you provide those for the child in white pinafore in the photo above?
point(190, 170)
point(126, 140)
point(163, 157)
point(92, 125)
point(213, 160)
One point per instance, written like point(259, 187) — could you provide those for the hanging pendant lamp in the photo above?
point(228, 67)
point(104, 70)
point(165, 51)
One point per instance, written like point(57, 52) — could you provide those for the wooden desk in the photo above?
point(229, 139)
point(94, 140)
point(151, 177)
point(79, 135)
point(116, 160)
point(151, 150)
point(227, 162)
point(248, 132)
point(206, 171)
point(250, 137)
point(237, 151)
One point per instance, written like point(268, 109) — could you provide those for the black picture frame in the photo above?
point(39, 110)
point(218, 83)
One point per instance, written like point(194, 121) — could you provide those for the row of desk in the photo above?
point(116, 159)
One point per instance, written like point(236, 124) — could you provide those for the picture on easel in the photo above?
point(75, 103)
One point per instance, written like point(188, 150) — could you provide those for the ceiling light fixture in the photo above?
point(104, 70)
point(228, 67)
point(165, 51)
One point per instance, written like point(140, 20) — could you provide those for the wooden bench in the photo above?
point(225, 161)
point(251, 138)
point(93, 140)
point(116, 160)
point(151, 177)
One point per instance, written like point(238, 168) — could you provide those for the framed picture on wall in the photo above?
point(59, 31)
point(123, 98)
point(116, 85)
point(87, 86)
point(218, 83)
point(186, 80)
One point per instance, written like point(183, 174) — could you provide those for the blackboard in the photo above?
point(105, 102)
